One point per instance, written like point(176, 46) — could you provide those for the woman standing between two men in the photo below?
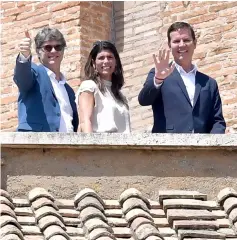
point(102, 107)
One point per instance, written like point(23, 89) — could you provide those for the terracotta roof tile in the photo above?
point(6, 219)
point(113, 213)
point(38, 193)
point(187, 214)
point(132, 192)
point(45, 211)
point(157, 238)
point(6, 210)
point(161, 222)
point(54, 230)
point(72, 221)
point(219, 213)
point(25, 220)
point(31, 230)
point(228, 232)
point(21, 202)
point(43, 201)
point(5, 194)
point(77, 238)
point(58, 237)
point(223, 222)
point(172, 238)
point(235, 225)
point(117, 222)
point(100, 232)
point(194, 224)
point(87, 192)
point(10, 237)
point(49, 220)
point(4, 200)
point(233, 215)
point(188, 204)
point(135, 213)
point(64, 203)
point(178, 194)
point(92, 212)
point(226, 193)
point(124, 232)
point(167, 231)
point(112, 204)
point(137, 222)
point(90, 201)
point(175, 214)
point(11, 229)
point(200, 234)
point(154, 204)
point(23, 211)
point(158, 213)
point(72, 213)
point(145, 230)
point(32, 237)
point(71, 231)
point(229, 204)
point(132, 203)
point(228, 199)
point(92, 224)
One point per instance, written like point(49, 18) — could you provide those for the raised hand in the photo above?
point(162, 67)
point(25, 45)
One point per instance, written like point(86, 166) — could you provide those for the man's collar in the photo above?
point(53, 75)
point(180, 68)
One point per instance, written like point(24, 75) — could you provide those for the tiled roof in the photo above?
point(173, 215)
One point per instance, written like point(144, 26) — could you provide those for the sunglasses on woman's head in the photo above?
point(49, 48)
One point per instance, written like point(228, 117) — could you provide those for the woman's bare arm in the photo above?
point(86, 106)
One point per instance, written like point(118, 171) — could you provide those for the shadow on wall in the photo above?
point(118, 25)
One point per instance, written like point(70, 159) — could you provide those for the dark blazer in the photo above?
point(38, 107)
point(172, 109)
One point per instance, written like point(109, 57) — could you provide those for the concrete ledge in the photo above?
point(111, 163)
point(118, 141)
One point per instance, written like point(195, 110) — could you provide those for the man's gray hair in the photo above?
point(48, 34)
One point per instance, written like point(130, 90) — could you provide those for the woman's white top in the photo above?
point(109, 115)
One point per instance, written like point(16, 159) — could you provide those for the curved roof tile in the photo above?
point(173, 215)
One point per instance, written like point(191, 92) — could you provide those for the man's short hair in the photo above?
point(180, 25)
point(48, 34)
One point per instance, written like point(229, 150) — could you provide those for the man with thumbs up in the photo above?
point(46, 102)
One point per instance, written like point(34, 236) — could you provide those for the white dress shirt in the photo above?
point(188, 79)
point(63, 100)
point(62, 97)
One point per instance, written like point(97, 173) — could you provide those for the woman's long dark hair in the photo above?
point(117, 76)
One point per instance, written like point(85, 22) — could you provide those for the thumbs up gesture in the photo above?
point(25, 45)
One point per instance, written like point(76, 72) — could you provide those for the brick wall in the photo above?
point(81, 23)
point(141, 29)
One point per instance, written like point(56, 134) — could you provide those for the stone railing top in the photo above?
point(116, 140)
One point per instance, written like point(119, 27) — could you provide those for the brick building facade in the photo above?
point(138, 30)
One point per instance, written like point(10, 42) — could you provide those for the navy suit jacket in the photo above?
point(172, 109)
point(38, 107)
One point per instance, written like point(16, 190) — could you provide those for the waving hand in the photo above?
point(162, 67)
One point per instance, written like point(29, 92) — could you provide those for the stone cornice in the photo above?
point(115, 140)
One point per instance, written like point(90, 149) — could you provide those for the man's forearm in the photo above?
point(23, 76)
point(150, 91)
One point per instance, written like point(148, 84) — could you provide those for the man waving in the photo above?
point(183, 99)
